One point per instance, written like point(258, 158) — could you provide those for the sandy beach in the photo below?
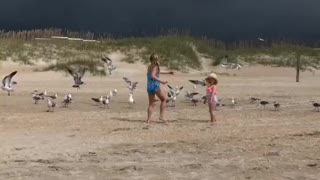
point(84, 141)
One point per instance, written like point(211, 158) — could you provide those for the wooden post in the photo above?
point(298, 68)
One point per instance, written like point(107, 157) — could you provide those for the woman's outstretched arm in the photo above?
point(153, 75)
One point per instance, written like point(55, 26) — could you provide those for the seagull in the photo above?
point(106, 101)
point(189, 96)
point(7, 83)
point(67, 99)
point(195, 101)
point(276, 106)
point(253, 99)
point(131, 85)
point(36, 98)
point(77, 77)
point(111, 68)
point(55, 96)
point(172, 97)
point(263, 103)
point(106, 60)
point(114, 92)
point(176, 90)
point(51, 105)
point(233, 102)
point(98, 100)
point(231, 65)
point(131, 100)
point(197, 82)
point(260, 39)
point(316, 106)
point(108, 63)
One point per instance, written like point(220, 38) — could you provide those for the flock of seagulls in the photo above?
point(193, 97)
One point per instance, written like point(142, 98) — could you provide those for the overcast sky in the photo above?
point(220, 19)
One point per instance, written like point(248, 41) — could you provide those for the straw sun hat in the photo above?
point(212, 76)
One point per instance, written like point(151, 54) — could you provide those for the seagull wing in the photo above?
point(7, 80)
point(134, 85)
point(126, 80)
point(197, 82)
point(193, 94)
point(181, 88)
point(82, 72)
point(169, 86)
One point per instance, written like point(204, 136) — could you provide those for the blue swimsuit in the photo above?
point(153, 85)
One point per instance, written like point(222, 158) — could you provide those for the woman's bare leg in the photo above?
point(150, 106)
point(162, 105)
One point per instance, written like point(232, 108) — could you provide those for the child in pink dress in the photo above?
point(212, 83)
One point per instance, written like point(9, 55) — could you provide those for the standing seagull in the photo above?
point(276, 106)
point(98, 100)
point(67, 99)
point(114, 92)
point(233, 102)
point(106, 101)
point(131, 100)
point(316, 106)
point(77, 77)
point(7, 83)
point(51, 105)
point(263, 103)
point(36, 98)
point(131, 85)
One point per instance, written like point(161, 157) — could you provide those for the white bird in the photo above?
point(260, 39)
point(77, 77)
point(51, 105)
point(131, 100)
point(106, 101)
point(172, 97)
point(7, 83)
point(131, 85)
point(114, 92)
point(67, 99)
point(233, 102)
point(176, 90)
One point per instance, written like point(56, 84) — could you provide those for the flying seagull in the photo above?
point(260, 39)
point(131, 85)
point(197, 82)
point(77, 77)
point(108, 65)
point(7, 83)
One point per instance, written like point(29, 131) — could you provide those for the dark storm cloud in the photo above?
point(222, 19)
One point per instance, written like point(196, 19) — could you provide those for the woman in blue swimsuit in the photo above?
point(153, 87)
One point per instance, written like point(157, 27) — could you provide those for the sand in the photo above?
point(85, 141)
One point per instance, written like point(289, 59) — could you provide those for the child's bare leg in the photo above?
point(150, 107)
point(211, 110)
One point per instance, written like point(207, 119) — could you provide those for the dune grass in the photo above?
point(178, 52)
